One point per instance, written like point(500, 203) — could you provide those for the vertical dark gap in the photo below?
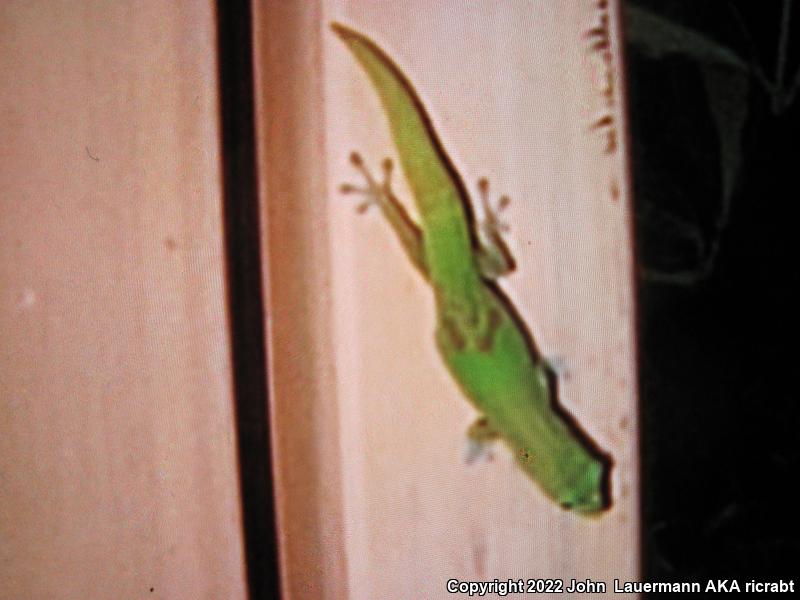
point(245, 297)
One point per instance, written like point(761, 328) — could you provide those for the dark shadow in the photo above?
point(566, 417)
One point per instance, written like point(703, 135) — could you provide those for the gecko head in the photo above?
point(589, 497)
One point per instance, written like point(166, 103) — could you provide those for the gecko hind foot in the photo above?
point(374, 192)
point(495, 257)
point(492, 224)
point(380, 194)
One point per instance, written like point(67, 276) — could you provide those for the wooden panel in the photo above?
point(118, 474)
point(374, 497)
point(304, 417)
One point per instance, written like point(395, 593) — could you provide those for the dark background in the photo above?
point(718, 276)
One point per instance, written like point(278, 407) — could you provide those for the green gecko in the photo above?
point(484, 342)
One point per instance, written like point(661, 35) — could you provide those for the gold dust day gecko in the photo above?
point(484, 342)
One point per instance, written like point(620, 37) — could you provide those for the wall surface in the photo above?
point(118, 474)
point(374, 497)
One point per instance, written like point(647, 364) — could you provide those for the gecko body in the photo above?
point(482, 339)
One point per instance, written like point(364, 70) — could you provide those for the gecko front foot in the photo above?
point(480, 439)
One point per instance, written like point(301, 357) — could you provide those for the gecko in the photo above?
point(481, 337)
